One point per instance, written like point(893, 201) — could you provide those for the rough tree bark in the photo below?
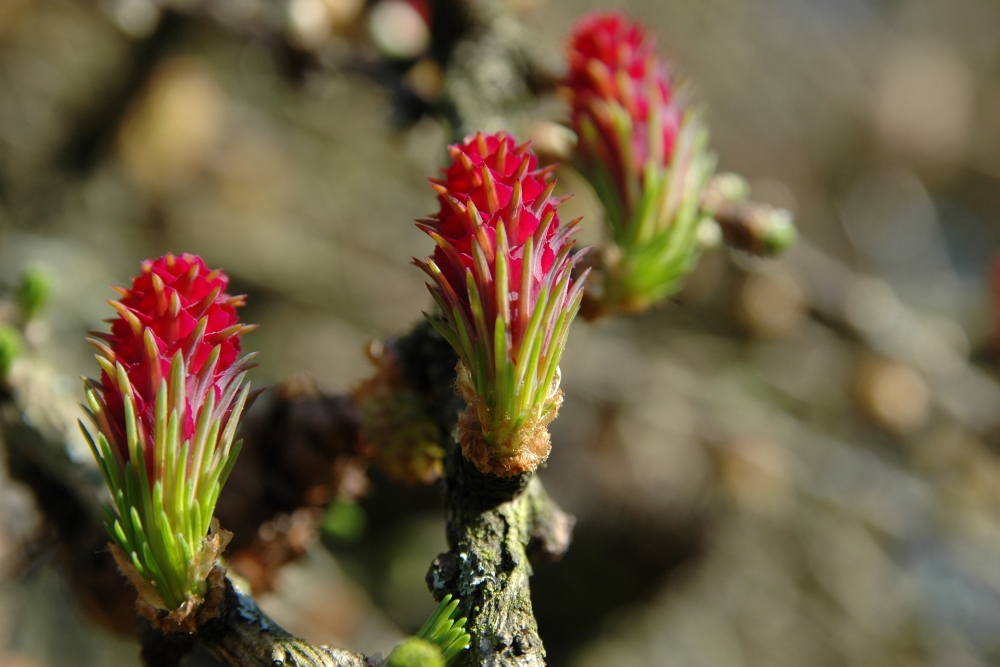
point(492, 525)
point(241, 634)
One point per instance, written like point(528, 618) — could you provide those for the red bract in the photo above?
point(614, 61)
point(175, 305)
point(491, 181)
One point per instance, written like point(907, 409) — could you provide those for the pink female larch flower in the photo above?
point(166, 409)
point(502, 277)
point(613, 62)
point(645, 153)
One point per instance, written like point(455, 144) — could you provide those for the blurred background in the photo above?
point(795, 462)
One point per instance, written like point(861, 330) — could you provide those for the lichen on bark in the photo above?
point(489, 528)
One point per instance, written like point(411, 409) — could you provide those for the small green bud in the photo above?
point(416, 652)
point(731, 187)
point(33, 290)
point(11, 347)
point(781, 233)
point(709, 233)
point(757, 228)
point(344, 519)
